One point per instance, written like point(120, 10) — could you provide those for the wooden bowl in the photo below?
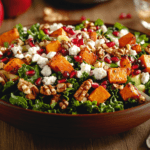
point(74, 126)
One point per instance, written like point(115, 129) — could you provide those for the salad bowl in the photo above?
point(74, 125)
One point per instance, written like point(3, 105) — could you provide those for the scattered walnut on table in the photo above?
point(47, 90)
point(63, 104)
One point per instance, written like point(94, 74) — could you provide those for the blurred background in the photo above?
point(31, 11)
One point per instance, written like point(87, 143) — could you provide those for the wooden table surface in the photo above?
point(12, 138)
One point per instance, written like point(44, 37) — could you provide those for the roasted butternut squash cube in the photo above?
point(93, 36)
point(9, 36)
point(58, 32)
point(54, 46)
point(129, 91)
point(87, 56)
point(137, 48)
point(125, 63)
point(127, 39)
point(59, 63)
point(13, 65)
point(145, 60)
point(117, 75)
point(100, 95)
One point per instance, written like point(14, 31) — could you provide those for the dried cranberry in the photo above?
point(73, 73)
point(66, 74)
point(110, 44)
point(4, 60)
point(62, 80)
point(107, 60)
point(116, 33)
point(38, 81)
point(114, 59)
point(78, 58)
point(30, 73)
point(95, 85)
point(122, 16)
point(83, 18)
point(135, 66)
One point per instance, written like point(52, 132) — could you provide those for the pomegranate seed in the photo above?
point(89, 30)
point(73, 73)
point(95, 85)
point(116, 33)
point(74, 41)
point(97, 27)
point(30, 41)
point(78, 58)
point(84, 29)
point(104, 86)
point(41, 51)
point(131, 59)
point(110, 44)
point(65, 28)
point(30, 72)
point(46, 31)
point(129, 15)
point(122, 16)
point(62, 80)
point(38, 81)
point(136, 72)
point(64, 52)
point(9, 53)
point(83, 18)
point(107, 60)
point(80, 42)
point(1, 56)
point(104, 82)
point(79, 36)
point(115, 59)
point(66, 74)
point(71, 32)
point(135, 66)
point(4, 60)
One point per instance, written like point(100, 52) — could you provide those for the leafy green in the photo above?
point(119, 26)
point(84, 77)
point(140, 38)
point(147, 87)
point(18, 100)
point(6, 44)
point(8, 85)
point(113, 65)
point(140, 54)
point(129, 80)
point(98, 22)
point(131, 103)
point(22, 72)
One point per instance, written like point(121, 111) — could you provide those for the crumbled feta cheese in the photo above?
point(1, 53)
point(35, 57)
point(99, 42)
point(70, 26)
point(42, 61)
point(85, 35)
point(55, 26)
point(133, 52)
point(16, 49)
point(44, 55)
point(30, 37)
point(51, 55)
point(49, 80)
point(72, 64)
point(91, 44)
point(20, 56)
point(46, 71)
point(145, 77)
point(74, 50)
point(123, 32)
point(85, 68)
point(33, 50)
point(79, 74)
point(99, 73)
point(104, 28)
point(24, 30)
point(142, 42)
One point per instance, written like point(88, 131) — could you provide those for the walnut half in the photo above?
point(47, 90)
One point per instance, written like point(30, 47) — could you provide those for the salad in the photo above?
point(82, 69)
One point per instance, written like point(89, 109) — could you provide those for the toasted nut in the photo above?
point(63, 104)
point(47, 90)
point(61, 87)
point(55, 98)
point(141, 99)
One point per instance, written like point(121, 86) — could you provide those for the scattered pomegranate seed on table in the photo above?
point(129, 15)
point(62, 80)
point(30, 73)
point(122, 16)
point(83, 18)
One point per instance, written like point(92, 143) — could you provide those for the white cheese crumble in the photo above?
point(142, 42)
point(74, 50)
point(42, 61)
point(55, 26)
point(104, 28)
point(85, 68)
point(79, 74)
point(114, 39)
point(16, 49)
point(33, 50)
point(145, 77)
point(99, 73)
point(20, 56)
point(46, 71)
point(50, 55)
point(49, 80)
point(35, 57)
point(30, 37)
point(24, 30)
point(85, 35)
point(99, 42)
point(123, 32)
point(133, 52)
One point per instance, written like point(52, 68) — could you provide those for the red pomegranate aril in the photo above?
point(71, 32)
point(38, 81)
point(73, 73)
point(4, 60)
point(135, 66)
point(30, 41)
point(78, 58)
point(104, 83)
point(9, 53)
point(114, 59)
point(64, 52)
point(84, 29)
point(97, 27)
point(104, 86)
point(1, 56)
point(122, 16)
point(107, 60)
point(116, 33)
point(89, 30)
point(79, 36)
point(129, 15)
point(83, 18)
point(80, 42)
point(46, 31)
point(131, 59)
point(95, 85)
point(66, 74)
point(75, 41)
point(110, 44)
point(41, 51)
point(136, 72)
point(30, 73)
point(62, 80)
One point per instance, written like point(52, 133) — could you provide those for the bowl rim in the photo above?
point(128, 110)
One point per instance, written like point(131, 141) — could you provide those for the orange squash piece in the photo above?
point(59, 63)
point(129, 91)
point(54, 46)
point(93, 36)
point(88, 56)
point(13, 65)
point(58, 32)
point(100, 95)
point(9, 36)
point(117, 75)
point(127, 39)
point(137, 48)
point(125, 63)
point(145, 60)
